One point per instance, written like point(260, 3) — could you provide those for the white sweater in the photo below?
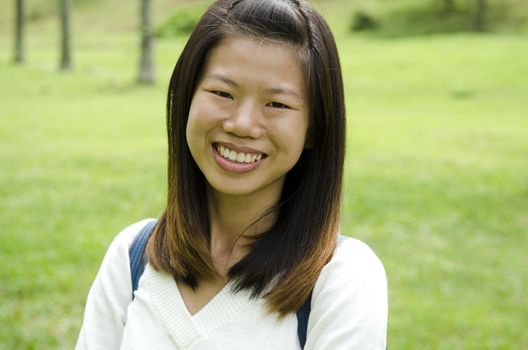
point(349, 309)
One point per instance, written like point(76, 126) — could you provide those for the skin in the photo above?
point(250, 100)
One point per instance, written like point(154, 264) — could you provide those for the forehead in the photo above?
point(246, 56)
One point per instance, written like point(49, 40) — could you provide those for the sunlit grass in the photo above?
point(438, 180)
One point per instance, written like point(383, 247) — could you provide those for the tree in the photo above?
point(480, 14)
point(19, 56)
point(65, 57)
point(146, 67)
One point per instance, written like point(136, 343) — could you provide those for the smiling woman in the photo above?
point(233, 111)
point(247, 244)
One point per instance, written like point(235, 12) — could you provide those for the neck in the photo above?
point(233, 220)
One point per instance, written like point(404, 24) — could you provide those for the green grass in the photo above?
point(436, 178)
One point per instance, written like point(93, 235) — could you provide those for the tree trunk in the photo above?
point(146, 67)
point(480, 16)
point(65, 57)
point(19, 56)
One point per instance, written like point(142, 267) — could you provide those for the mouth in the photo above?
point(238, 157)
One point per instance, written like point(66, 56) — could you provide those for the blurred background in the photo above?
point(436, 170)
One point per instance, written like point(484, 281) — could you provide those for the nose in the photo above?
point(245, 121)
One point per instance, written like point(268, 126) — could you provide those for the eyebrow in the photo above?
point(280, 90)
point(283, 91)
point(222, 78)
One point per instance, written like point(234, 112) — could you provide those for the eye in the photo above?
point(222, 94)
point(277, 105)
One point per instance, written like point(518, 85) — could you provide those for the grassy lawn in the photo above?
point(436, 178)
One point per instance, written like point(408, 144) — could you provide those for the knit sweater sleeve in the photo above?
point(349, 302)
point(109, 296)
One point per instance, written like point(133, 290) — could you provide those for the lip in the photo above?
point(235, 167)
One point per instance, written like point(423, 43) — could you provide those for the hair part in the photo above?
point(285, 261)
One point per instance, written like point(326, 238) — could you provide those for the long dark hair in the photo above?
point(286, 260)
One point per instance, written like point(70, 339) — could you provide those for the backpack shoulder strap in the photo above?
point(302, 320)
point(136, 254)
point(304, 312)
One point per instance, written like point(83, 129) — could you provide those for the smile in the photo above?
point(238, 157)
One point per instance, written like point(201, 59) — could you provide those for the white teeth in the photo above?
point(238, 157)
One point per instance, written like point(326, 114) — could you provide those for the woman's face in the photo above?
point(249, 116)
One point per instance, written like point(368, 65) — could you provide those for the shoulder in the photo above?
point(129, 233)
point(353, 257)
point(350, 297)
point(122, 242)
point(110, 294)
point(353, 268)
point(117, 260)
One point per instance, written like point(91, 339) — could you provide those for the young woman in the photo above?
point(256, 129)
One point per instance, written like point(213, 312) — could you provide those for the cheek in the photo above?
point(297, 129)
point(194, 135)
point(203, 120)
point(196, 117)
point(194, 124)
point(203, 112)
point(189, 130)
point(290, 137)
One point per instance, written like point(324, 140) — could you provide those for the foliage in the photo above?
point(39, 10)
point(181, 23)
point(412, 17)
point(363, 21)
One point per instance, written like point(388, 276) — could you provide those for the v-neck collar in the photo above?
point(183, 327)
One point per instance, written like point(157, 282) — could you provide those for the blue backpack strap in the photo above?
point(304, 312)
point(302, 320)
point(136, 253)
